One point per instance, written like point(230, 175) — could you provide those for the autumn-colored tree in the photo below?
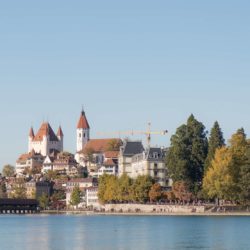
point(114, 145)
point(8, 170)
point(155, 193)
point(124, 188)
point(218, 181)
point(111, 192)
point(181, 191)
point(19, 190)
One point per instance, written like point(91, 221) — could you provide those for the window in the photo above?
point(80, 135)
point(84, 135)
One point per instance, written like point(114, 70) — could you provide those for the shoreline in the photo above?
point(92, 213)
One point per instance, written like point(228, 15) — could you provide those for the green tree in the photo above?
point(8, 170)
point(216, 140)
point(141, 188)
point(43, 201)
point(155, 192)
point(244, 181)
point(187, 154)
point(75, 198)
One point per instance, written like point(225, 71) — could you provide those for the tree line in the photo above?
point(207, 168)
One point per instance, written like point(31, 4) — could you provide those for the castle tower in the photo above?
point(82, 132)
point(60, 137)
point(31, 137)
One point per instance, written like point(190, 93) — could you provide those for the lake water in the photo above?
point(61, 232)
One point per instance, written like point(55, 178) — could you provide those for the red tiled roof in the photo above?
point(83, 122)
point(59, 132)
point(45, 130)
point(25, 157)
point(99, 145)
point(111, 154)
point(109, 162)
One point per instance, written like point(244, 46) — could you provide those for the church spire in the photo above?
point(31, 133)
point(83, 122)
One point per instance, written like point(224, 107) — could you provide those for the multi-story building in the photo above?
point(82, 184)
point(127, 151)
point(92, 197)
point(151, 162)
point(34, 189)
point(29, 161)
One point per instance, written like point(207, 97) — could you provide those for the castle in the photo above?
point(45, 141)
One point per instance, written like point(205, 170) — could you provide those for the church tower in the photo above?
point(82, 132)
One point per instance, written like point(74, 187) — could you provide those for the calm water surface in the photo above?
point(123, 232)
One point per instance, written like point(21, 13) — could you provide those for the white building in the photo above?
point(127, 151)
point(83, 184)
point(92, 197)
point(29, 161)
point(151, 162)
point(45, 141)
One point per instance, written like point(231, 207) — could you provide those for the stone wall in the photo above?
point(136, 208)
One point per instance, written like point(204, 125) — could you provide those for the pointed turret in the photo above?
point(31, 133)
point(59, 132)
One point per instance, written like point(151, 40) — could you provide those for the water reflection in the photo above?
point(120, 233)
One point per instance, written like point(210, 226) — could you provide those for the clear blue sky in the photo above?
point(128, 62)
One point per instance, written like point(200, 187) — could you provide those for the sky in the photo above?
point(128, 62)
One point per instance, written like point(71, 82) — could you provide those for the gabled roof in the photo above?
point(109, 162)
point(59, 132)
point(45, 130)
point(27, 156)
point(83, 122)
point(132, 148)
point(99, 145)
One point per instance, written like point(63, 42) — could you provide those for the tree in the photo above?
point(19, 190)
point(8, 170)
point(114, 145)
point(43, 201)
point(155, 192)
point(244, 183)
point(218, 181)
point(124, 188)
point(111, 192)
point(141, 188)
point(181, 191)
point(75, 198)
point(216, 140)
point(3, 190)
point(187, 154)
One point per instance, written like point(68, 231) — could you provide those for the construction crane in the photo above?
point(147, 133)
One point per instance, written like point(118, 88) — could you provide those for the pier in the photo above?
point(18, 206)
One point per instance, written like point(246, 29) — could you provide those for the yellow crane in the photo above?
point(147, 133)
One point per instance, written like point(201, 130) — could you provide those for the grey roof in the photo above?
point(156, 154)
point(132, 148)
